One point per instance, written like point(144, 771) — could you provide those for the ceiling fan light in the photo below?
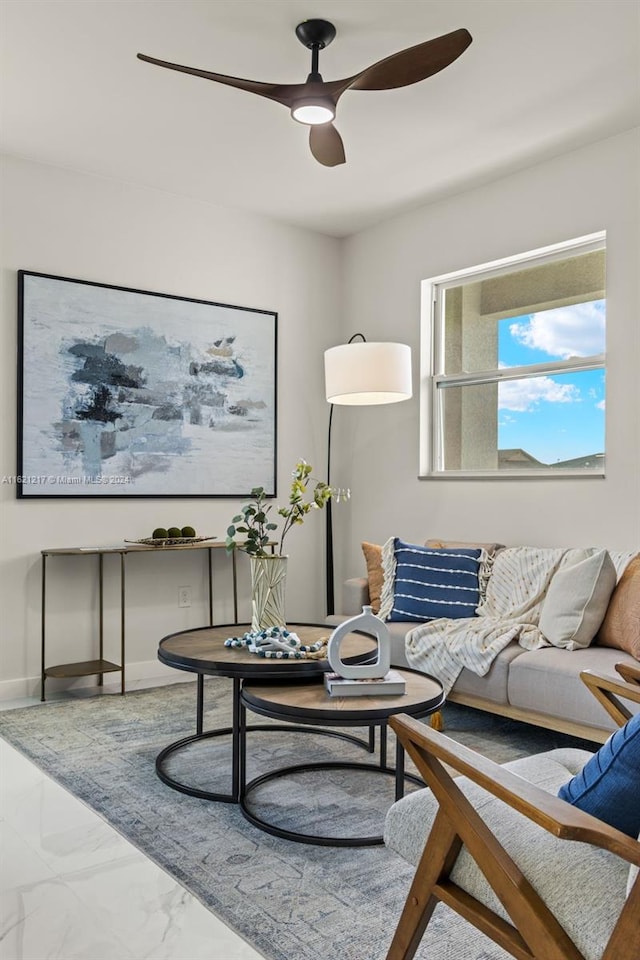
point(313, 112)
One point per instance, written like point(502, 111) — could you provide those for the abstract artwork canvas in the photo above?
point(128, 393)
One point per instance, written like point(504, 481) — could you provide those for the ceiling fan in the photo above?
point(314, 102)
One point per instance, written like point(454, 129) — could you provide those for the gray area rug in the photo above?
point(291, 901)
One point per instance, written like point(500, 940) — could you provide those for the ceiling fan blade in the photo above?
point(413, 64)
point(273, 91)
point(326, 144)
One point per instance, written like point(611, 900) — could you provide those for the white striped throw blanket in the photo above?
point(510, 611)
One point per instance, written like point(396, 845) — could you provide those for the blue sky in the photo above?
point(553, 417)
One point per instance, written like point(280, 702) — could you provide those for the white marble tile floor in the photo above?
point(72, 888)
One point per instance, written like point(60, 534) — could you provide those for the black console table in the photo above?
point(100, 666)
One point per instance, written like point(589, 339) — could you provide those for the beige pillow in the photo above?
point(373, 557)
point(621, 625)
point(577, 601)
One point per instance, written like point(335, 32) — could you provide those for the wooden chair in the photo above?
point(609, 692)
point(628, 671)
point(534, 933)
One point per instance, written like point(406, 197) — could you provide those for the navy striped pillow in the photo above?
point(432, 583)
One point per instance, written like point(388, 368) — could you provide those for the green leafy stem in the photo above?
point(253, 520)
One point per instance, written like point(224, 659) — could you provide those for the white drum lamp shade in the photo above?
point(358, 374)
point(361, 373)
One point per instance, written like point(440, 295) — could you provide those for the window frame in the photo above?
point(433, 380)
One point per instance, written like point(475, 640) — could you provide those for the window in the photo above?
point(513, 366)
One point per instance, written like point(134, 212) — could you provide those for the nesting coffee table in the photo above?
point(308, 703)
point(202, 651)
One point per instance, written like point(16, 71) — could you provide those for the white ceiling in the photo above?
point(540, 78)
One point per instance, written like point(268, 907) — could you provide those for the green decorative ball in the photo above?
point(174, 532)
point(159, 534)
point(188, 532)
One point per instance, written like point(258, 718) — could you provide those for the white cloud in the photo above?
point(575, 331)
point(602, 405)
point(524, 395)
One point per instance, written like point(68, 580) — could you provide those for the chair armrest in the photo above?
point(355, 595)
point(607, 690)
point(550, 812)
point(629, 672)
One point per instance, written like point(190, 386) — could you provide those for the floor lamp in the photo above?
point(360, 373)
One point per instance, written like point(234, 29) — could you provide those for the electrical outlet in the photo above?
point(184, 596)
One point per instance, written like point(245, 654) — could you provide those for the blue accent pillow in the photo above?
point(431, 583)
point(608, 786)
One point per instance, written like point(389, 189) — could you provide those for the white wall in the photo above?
point(65, 223)
point(579, 193)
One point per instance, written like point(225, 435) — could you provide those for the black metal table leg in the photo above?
point(236, 740)
point(199, 703)
point(242, 753)
point(210, 569)
point(383, 745)
point(101, 614)
point(43, 675)
point(122, 620)
point(400, 775)
point(238, 745)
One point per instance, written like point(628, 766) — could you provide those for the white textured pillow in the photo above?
point(577, 600)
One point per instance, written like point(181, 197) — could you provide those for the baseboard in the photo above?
point(146, 671)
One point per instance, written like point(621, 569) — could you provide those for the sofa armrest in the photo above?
point(355, 595)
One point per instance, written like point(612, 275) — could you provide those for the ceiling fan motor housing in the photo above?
point(315, 107)
point(315, 33)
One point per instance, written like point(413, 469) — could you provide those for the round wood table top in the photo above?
point(310, 702)
point(203, 651)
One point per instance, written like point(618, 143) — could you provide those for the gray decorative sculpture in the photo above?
point(366, 622)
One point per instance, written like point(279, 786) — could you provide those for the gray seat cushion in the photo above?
point(554, 867)
point(548, 681)
point(494, 685)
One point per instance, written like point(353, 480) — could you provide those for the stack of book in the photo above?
point(390, 685)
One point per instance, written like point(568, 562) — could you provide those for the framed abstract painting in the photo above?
point(128, 393)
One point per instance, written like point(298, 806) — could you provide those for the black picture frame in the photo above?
point(126, 393)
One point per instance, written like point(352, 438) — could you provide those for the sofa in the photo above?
point(540, 686)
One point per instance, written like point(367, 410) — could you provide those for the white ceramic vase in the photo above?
point(268, 588)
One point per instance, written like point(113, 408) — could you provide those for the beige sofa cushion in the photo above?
point(548, 681)
point(577, 600)
point(492, 687)
point(621, 626)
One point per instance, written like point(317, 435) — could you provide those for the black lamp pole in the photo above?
point(329, 525)
point(329, 575)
